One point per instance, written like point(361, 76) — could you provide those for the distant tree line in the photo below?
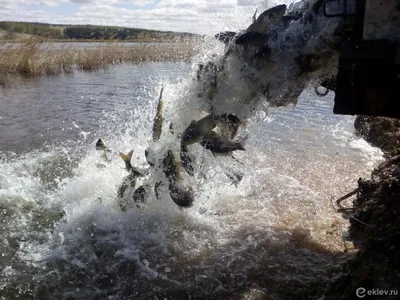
point(37, 29)
point(97, 32)
point(88, 32)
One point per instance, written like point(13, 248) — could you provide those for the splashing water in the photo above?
point(63, 235)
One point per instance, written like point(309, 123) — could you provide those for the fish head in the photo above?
point(100, 145)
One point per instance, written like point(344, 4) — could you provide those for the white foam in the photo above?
point(281, 190)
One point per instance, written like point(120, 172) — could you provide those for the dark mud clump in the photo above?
point(375, 224)
point(380, 132)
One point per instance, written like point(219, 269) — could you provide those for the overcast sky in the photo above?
point(199, 16)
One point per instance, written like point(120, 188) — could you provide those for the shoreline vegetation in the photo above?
point(37, 49)
point(23, 31)
point(37, 58)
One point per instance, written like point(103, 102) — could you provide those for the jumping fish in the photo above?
point(208, 75)
point(127, 159)
point(183, 197)
point(101, 146)
point(186, 161)
point(232, 121)
point(197, 129)
point(130, 180)
point(170, 167)
point(271, 16)
point(158, 120)
point(216, 144)
point(139, 195)
point(149, 161)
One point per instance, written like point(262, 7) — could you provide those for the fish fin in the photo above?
point(123, 156)
point(126, 157)
point(255, 16)
point(158, 119)
point(130, 155)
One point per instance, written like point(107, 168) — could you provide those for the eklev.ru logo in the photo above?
point(362, 292)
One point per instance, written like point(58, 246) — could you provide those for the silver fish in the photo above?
point(101, 146)
point(216, 144)
point(269, 17)
point(197, 129)
point(131, 169)
point(183, 197)
point(139, 195)
point(158, 120)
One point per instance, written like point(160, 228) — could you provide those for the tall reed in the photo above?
point(35, 58)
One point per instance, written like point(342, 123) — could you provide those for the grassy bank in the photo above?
point(35, 58)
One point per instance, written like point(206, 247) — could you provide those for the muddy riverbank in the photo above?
point(375, 220)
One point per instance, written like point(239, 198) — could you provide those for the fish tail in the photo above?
point(127, 158)
point(255, 16)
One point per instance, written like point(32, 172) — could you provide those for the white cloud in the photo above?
point(140, 2)
point(249, 2)
point(20, 3)
point(200, 16)
point(82, 1)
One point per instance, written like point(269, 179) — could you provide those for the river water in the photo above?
point(273, 236)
